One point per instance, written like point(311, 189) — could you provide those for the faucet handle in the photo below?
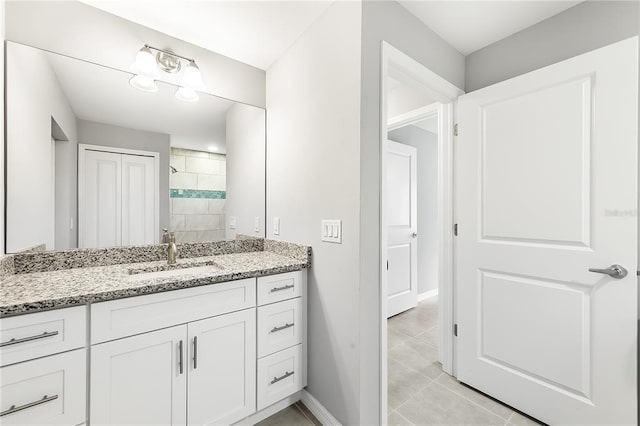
point(172, 237)
point(165, 236)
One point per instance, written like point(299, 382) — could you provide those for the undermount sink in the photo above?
point(176, 270)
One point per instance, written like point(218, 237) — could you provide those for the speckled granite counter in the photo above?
point(37, 291)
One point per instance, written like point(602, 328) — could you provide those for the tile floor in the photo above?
point(294, 415)
point(419, 392)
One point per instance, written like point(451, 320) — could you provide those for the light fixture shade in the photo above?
point(146, 62)
point(144, 83)
point(187, 94)
point(192, 77)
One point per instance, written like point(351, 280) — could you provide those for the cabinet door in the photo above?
point(140, 380)
point(222, 368)
point(139, 200)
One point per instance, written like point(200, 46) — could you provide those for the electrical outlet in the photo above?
point(276, 226)
point(332, 231)
point(232, 222)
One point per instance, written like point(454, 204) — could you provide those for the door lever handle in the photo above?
point(414, 235)
point(614, 271)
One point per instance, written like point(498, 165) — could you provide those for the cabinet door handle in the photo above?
point(284, 376)
point(15, 341)
point(14, 409)
point(195, 352)
point(284, 287)
point(180, 357)
point(282, 327)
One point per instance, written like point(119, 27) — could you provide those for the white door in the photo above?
point(100, 188)
point(547, 189)
point(138, 200)
point(401, 209)
point(140, 380)
point(222, 369)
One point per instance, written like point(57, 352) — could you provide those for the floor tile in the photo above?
point(396, 419)
point(395, 337)
point(518, 419)
point(495, 407)
point(403, 384)
point(430, 336)
point(418, 356)
point(290, 416)
point(436, 405)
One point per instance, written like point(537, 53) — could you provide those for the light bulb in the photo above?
point(187, 94)
point(146, 62)
point(192, 77)
point(144, 83)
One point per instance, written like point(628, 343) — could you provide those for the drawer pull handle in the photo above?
point(284, 376)
point(282, 327)
point(14, 409)
point(15, 341)
point(284, 287)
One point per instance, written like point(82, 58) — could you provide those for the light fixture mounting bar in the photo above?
point(169, 53)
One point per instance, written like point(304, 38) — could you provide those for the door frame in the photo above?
point(83, 148)
point(399, 65)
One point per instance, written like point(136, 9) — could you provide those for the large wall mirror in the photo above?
point(93, 162)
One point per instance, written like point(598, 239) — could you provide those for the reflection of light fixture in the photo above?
point(147, 69)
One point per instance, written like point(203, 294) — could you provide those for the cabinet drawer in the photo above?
point(46, 391)
point(279, 326)
point(275, 288)
point(279, 375)
point(35, 335)
point(126, 317)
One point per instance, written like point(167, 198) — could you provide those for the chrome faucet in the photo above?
point(169, 238)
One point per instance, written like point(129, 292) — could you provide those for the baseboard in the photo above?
point(427, 295)
point(322, 414)
point(269, 411)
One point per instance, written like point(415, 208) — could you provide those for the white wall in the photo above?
point(313, 133)
point(81, 31)
point(426, 144)
point(33, 98)
point(245, 169)
point(93, 133)
point(384, 20)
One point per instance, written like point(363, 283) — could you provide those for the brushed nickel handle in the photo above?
point(285, 287)
point(614, 271)
point(282, 327)
point(180, 364)
point(195, 352)
point(14, 409)
point(414, 235)
point(284, 376)
point(15, 341)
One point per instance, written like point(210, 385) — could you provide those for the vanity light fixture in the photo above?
point(147, 69)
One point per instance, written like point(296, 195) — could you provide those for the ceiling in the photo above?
point(259, 32)
point(472, 25)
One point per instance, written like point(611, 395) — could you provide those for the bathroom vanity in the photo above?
point(210, 340)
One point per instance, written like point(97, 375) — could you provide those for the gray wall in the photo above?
point(426, 143)
point(313, 133)
point(81, 31)
point(584, 27)
point(390, 22)
point(93, 133)
point(245, 169)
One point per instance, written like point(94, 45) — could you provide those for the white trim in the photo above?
point(427, 295)
point(400, 66)
point(270, 410)
point(413, 116)
point(318, 410)
point(82, 148)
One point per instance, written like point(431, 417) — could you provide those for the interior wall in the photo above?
point(313, 104)
point(245, 138)
point(81, 31)
point(426, 144)
point(388, 21)
point(93, 133)
point(33, 98)
point(579, 29)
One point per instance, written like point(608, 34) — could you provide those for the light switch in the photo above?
point(276, 226)
point(256, 224)
point(232, 222)
point(332, 231)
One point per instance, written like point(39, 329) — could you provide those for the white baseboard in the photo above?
point(427, 295)
point(322, 414)
point(269, 411)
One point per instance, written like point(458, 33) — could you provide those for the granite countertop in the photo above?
point(38, 291)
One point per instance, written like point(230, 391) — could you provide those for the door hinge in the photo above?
point(387, 265)
point(455, 229)
point(455, 129)
point(455, 330)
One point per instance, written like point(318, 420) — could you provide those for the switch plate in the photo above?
point(232, 222)
point(256, 224)
point(332, 231)
point(276, 226)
